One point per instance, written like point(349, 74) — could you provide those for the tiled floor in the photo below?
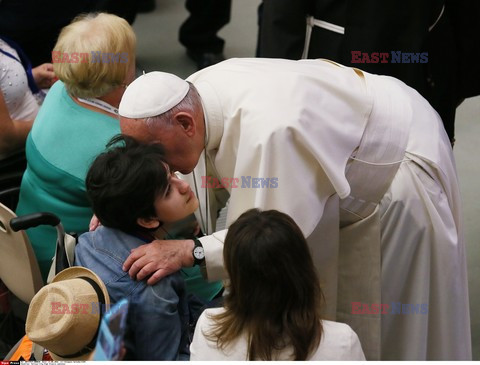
point(159, 49)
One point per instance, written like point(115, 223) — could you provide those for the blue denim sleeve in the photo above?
point(160, 320)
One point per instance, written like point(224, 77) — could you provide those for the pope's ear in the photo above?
point(186, 121)
point(150, 223)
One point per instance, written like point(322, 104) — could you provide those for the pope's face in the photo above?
point(180, 151)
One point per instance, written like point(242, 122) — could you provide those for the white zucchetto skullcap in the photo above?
point(152, 94)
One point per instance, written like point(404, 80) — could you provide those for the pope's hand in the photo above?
point(159, 259)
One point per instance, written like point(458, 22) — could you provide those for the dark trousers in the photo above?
point(199, 32)
point(127, 9)
point(35, 25)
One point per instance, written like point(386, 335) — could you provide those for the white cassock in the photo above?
point(298, 123)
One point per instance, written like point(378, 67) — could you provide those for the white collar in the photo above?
point(213, 115)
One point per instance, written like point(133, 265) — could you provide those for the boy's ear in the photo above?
point(150, 223)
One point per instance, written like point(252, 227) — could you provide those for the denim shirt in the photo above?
point(158, 314)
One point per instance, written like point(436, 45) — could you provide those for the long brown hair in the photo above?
point(274, 295)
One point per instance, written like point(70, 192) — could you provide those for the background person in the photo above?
point(78, 118)
point(199, 31)
point(272, 309)
point(363, 164)
point(445, 32)
point(36, 25)
point(18, 106)
point(20, 97)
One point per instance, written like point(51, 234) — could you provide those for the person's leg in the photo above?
point(199, 32)
point(126, 9)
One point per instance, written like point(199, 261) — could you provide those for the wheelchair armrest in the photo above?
point(34, 220)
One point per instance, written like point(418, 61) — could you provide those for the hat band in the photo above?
point(91, 345)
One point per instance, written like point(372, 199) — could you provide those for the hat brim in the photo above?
point(85, 357)
point(79, 271)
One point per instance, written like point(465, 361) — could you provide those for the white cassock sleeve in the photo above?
point(213, 246)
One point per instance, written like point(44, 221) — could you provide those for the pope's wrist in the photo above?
point(188, 260)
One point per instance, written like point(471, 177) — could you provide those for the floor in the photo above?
point(159, 49)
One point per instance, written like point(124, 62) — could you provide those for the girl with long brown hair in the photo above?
point(272, 309)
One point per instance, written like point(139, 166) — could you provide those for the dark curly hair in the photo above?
point(123, 182)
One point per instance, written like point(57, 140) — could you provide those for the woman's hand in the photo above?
point(44, 76)
point(159, 259)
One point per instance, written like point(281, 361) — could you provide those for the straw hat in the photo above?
point(64, 316)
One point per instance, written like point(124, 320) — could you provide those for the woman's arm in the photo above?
point(13, 133)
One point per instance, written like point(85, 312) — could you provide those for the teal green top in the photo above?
point(197, 285)
point(64, 141)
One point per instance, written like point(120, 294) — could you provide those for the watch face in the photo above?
point(198, 253)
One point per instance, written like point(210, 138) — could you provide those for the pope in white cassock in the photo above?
point(361, 162)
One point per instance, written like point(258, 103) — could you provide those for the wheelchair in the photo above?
point(19, 269)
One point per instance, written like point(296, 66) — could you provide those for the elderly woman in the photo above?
point(94, 59)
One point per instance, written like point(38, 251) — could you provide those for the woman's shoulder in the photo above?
point(57, 89)
point(206, 322)
point(206, 318)
point(204, 348)
point(55, 101)
point(339, 342)
point(337, 328)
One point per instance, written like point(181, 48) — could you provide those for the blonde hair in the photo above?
point(80, 46)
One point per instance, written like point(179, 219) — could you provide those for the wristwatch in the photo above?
point(198, 253)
